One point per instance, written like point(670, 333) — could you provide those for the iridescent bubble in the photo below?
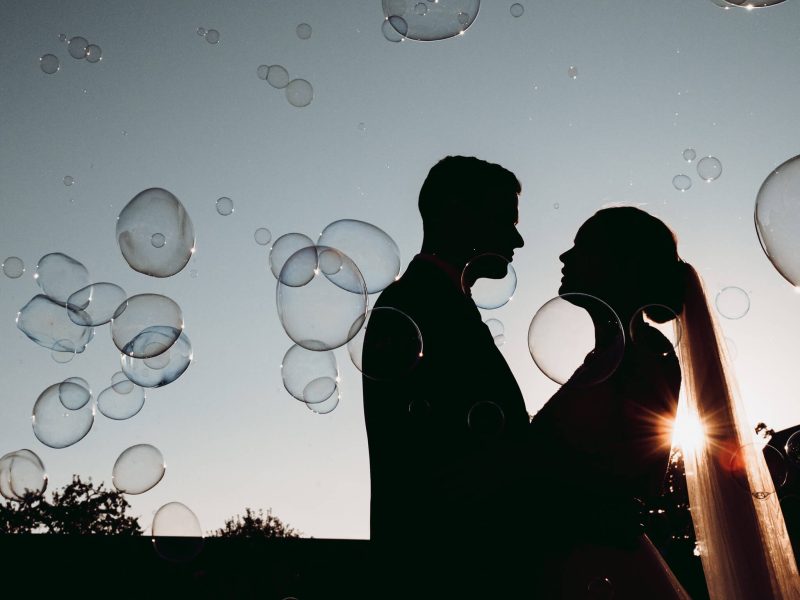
point(517, 10)
point(561, 340)
point(158, 240)
point(760, 485)
point(56, 426)
point(224, 206)
point(642, 327)
point(689, 154)
point(59, 276)
point(262, 236)
point(138, 469)
point(709, 168)
point(74, 393)
point(299, 93)
point(262, 71)
point(375, 253)
point(201, 31)
point(441, 20)
point(490, 280)
point(161, 369)
point(682, 182)
point(177, 535)
point(321, 314)
point(572, 72)
point(302, 367)
point(148, 321)
point(777, 217)
point(212, 36)
point(486, 419)
point(49, 63)
point(121, 383)
point(22, 475)
point(68, 180)
point(389, 32)
point(303, 31)
point(155, 210)
point(51, 326)
point(600, 588)
point(284, 247)
point(277, 76)
point(388, 344)
point(326, 406)
point(77, 47)
point(96, 304)
point(121, 405)
point(94, 53)
point(732, 302)
point(13, 267)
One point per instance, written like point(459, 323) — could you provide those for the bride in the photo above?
point(606, 433)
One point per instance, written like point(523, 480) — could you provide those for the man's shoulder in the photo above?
point(421, 288)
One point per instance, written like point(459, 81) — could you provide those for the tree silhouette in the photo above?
point(256, 525)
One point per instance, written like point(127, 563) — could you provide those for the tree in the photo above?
point(79, 508)
point(256, 525)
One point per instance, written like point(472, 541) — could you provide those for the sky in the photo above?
point(588, 103)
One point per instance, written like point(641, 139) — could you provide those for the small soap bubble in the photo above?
point(65, 353)
point(161, 369)
point(212, 36)
point(642, 328)
point(689, 154)
point(148, 325)
point(463, 18)
point(138, 469)
point(176, 531)
point(303, 31)
point(68, 180)
point(486, 419)
point(13, 267)
point(158, 240)
point(96, 304)
point(118, 405)
point(399, 24)
point(56, 426)
point(362, 126)
point(277, 76)
point(681, 182)
point(262, 71)
point(490, 280)
point(262, 236)
point(573, 72)
point(77, 47)
point(387, 346)
point(517, 10)
point(201, 31)
point(94, 53)
point(390, 33)
point(326, 406)
point(421, 8)
point(62, 37)
point(49, 63)
point(225, 206)
point(495, 327)
point(121, 383)
point(74, 393)
point(284, 247)
point(299, 93)
point(709, 168)
point(732, 302)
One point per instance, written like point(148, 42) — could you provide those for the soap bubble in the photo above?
point(299, 93)
point(262, 71)
point(561, 340)
point(441, 20)
point(146, 325)
point(390, 33)
point(51, 326)
point(572, 72)
point(138, 469)
point(682, 182)
point(116, 403)
point(641, 327)
point(96, 304)
point(262, 236)
point(59, 276)
point(56, 426)
point(517, 10)
point(177, 535)
point(22, 475)
point(277, 76)
point(302, 367)
point(284, 247)
point(163, 368)
point(155, 210)
point(387, 346)
point(74, 393)
point(94, 53)
point(158, 240)
point(121, 383)
point(600, 588)
point(77, 47)
point(224, 206)
point(201, 31)
point(486, 419)
point(326, 406)
point(68, 180)
point(65, 353)
point(49, 63)
point(372, 250)
point(497, 330)
point(758, 484)
point(303, 31)
point(732, 302)
point(421, 8)
point(13, 267)
point(753, 3)
point(689, 154)
point(793, 448)
point(709, 168)
point(490, 280)
point(321, 314)
point(777, 219)
point(212, 36)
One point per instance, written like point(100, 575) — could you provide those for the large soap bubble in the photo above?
point(321, 314)
point(138, 469)
point(777, 218)
point(52, 326)
point(309, 376)
point(441, 19)
point(561, 339)
point(177, 535)
point(162, 369)
point(54, 425)
point(60, 276)
point(375, 253)
point(155, 211)
point(490, 280)
point(148, 326)
point(388, 346)
point(22, 475)
point(284, 247)
point(99, 302)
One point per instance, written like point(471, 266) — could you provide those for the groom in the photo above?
point(445, 439)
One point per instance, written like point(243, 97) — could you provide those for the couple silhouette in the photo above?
point(473, 498)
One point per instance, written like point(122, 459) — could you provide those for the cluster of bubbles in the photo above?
point(426, 20)
point(78, 48)
point(708, 168)
point(210, 35)
point(299, 92)
point(22, 475)
point(516, 9)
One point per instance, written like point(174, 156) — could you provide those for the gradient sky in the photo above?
point(164, 108)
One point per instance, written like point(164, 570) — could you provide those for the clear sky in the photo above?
point(165, 108)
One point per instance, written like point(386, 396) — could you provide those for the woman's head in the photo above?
point(629, 259)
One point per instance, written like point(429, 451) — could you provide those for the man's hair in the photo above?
point(464, 183)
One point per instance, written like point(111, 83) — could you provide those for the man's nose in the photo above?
point(518, 242)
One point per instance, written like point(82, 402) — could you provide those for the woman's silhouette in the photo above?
point(604, 446)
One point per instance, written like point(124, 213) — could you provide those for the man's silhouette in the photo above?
point(445, 438)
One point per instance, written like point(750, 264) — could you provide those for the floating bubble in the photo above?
point(121, 405)
point(59, 276)
point(68, 180)
point(300, 269)
point(302, 367)
point(94, 53)
point(486, 419)
point(22, 475)
point(138, 469)
point(56, 426)
point(176, 531)
point(62, 37)
point(440, 20)
point(262, 236)
point(277, 76)
point(387, 346)
point(201, 31)
point(51, 326)
point(284, 247)
point(299, 93)
point(561, 340)
point(96, 304)
point(155, 210)
point(13, 267)
point(321, 314)
point(600, 588)
point(224, 206)
point(161, 369)
point(158, 240)
point(121, 383)
point(689, 154)
point(642, 327)
point(65, 353)
point(758, 484)
point(148, 321)
point(390, 33)
point(419, 408)
point(709, 168)
point(262, 71)
point(777, 219)
point(572, 72)
point(682, 182)
point(326, 406)
point(497, 330)
point(793, 448)
point(77, 47)
point(303, 31)
point(372, 250)
point(49, 63)
point(212, 36)
point(752, 3)
point(490, 280)
point(516, 9)
point(74, 393)
point(732, 302)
